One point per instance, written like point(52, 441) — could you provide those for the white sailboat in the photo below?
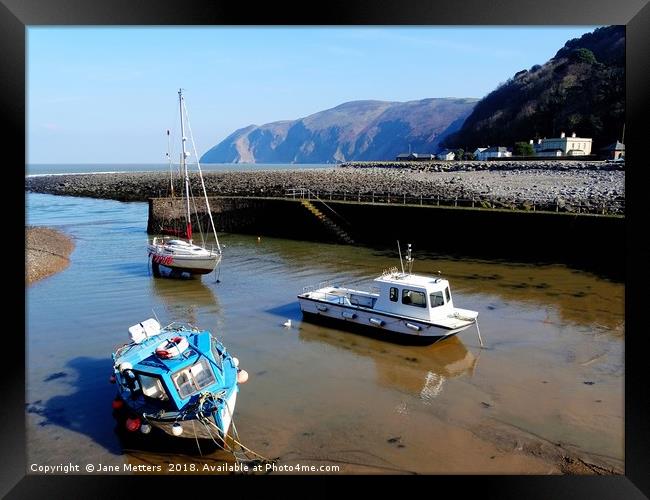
point(180, 254)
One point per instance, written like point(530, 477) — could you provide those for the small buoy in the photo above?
point(145, 428)
point(177, 429)
point(242, 376)
point(259, 239)
point(117, 404)
point(235, 361)
point(287, 323)
point(111, 379)
point(132, 424)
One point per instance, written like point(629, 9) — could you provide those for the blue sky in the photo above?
point(107, 95)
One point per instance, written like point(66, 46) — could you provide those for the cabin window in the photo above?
point(447, 294)
point(152, 387)
point(393, 294)
point(437, 299)
point(193, 378)
point(413, 298)
point(216, 352)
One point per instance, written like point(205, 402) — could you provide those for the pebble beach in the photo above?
point(515, 184)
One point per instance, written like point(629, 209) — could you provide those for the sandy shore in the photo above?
point(46, 252)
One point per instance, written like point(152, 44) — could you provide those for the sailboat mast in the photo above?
point(184, 156)
point(205, 193)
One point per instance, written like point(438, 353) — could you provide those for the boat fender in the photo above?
point(132, 424)
point(376, 321)
point(235, 361)
point(177, 429)
point(242, 376)
point(172, 347)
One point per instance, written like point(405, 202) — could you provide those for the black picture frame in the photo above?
point(17, 15)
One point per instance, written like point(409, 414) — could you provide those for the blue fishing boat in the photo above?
point(178, 379)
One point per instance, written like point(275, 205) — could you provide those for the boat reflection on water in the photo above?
point(417, 370)
point(184, 300)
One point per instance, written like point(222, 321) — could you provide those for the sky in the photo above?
point(108, 94)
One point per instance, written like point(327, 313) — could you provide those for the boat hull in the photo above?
point(375, 323)
point(185, 263)
point(194, 429)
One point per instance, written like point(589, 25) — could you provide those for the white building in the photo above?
point(564, 146)
point(446, 155)
point(478, 151)
point(492, 152)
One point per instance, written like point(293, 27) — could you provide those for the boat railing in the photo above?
point(332, 298)
point(313, 288)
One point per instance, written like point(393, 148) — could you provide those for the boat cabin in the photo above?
point(421, 297)
point(168, 371)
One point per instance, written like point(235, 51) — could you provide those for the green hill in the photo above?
point(581, 89)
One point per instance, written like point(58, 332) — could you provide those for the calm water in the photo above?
point(86, 168)
point(551, 375)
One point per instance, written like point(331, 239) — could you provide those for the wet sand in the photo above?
point(46, 252)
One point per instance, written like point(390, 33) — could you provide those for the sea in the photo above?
point(109, 168)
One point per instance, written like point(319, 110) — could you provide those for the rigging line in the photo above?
point(184, 155)
point(198, 220)
point(198, 164)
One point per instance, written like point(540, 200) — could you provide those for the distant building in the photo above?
point(564, 146)
point(614, 151)
point(478, 151)
point(415, 157)
point(493, 152)
point(445, 154)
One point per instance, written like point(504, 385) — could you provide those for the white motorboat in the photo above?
point(179, 253)
point(400, 303)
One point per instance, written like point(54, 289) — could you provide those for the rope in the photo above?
point(236, 439)
point(241, 454)
point(196, 438)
